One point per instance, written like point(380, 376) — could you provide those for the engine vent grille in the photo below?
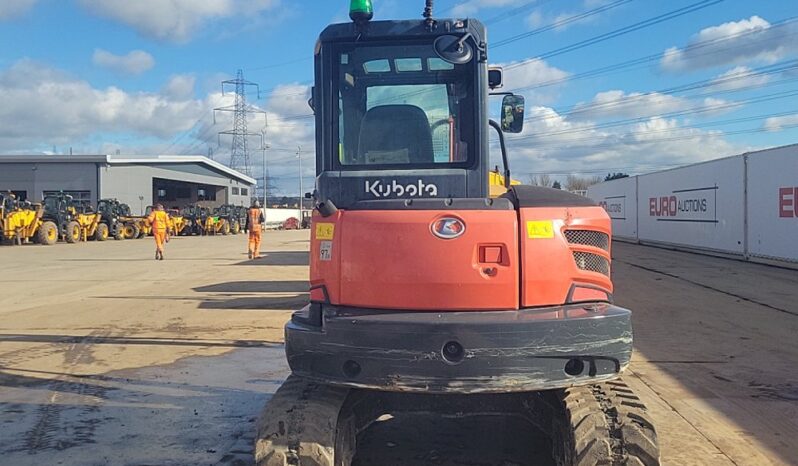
point(596, 239)
point(592, 262)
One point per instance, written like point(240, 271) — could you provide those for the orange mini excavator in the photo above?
point(427, 293)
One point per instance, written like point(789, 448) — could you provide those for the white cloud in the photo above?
point(290, 127)
point(284, 134)
point(552, 143)
point(180, 86)
point(528, 73)
point(620, 104)
point(13, 8)
point(174, 20)
point(77, 111)
point(471, 7)
point(739, 77)
point(617, 103)
point(535, 19)
point(743, 41)
point(135, 62)
point(776, 124)
point(103, 120)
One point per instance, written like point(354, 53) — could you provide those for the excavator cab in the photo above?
point(396, 120)
point(426, 292)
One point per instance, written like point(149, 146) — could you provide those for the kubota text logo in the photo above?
point(420, 189)
point(448, 228)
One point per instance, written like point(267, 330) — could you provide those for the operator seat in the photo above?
point(395, 134)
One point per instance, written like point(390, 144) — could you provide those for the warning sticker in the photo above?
point(325, 231)
point(540, 229)
point(325, 251)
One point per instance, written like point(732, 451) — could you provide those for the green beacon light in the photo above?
point(361, 11)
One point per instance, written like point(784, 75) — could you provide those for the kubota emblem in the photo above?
point(447, 228)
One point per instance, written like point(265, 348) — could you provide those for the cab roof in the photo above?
point(402, 28)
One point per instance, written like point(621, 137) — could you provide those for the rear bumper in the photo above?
point(460, 352)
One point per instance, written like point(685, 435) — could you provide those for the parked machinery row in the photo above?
point(60, 217)
point(225, 220)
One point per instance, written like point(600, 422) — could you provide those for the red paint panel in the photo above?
point(393, 261)
point(326, 272)
point(548, 264)
point(317, 295)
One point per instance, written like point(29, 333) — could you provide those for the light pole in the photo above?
point(301, 204)
point(265, 147)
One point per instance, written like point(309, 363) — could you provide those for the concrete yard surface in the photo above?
point(109, 357)
point(716, 353)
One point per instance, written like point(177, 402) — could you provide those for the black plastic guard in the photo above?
point(538, 196)
point(462, 352)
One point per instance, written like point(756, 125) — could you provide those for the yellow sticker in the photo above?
point(540, 230)
point(325, 231)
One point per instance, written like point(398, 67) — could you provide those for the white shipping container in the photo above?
point(700, 206)
point(773, 204)
point(619, 199)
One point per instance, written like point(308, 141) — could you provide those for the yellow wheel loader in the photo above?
point(215, 225)
point(233, 215)
point(59, 220)
point(111, 226)
point(20, 221)
point(136, 226)
point(177, 223)
point(89, 222)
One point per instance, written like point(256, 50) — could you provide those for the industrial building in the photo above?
point(139, 181)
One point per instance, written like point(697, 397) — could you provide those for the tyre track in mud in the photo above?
point(49, 432)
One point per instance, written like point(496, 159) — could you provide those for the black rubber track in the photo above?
point(310, 424)
point(298, 426)
point(604, 424)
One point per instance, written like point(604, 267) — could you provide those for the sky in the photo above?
point(629, 86)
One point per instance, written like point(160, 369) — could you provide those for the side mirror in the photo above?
point(513, 113)
point(495, 78)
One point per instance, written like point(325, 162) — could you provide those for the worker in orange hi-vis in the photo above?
point(159, 220)
point(255, 222)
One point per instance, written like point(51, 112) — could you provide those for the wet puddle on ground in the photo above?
point(203, 411)
point(197, 411)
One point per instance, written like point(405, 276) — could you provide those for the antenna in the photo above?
point(428, 15)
